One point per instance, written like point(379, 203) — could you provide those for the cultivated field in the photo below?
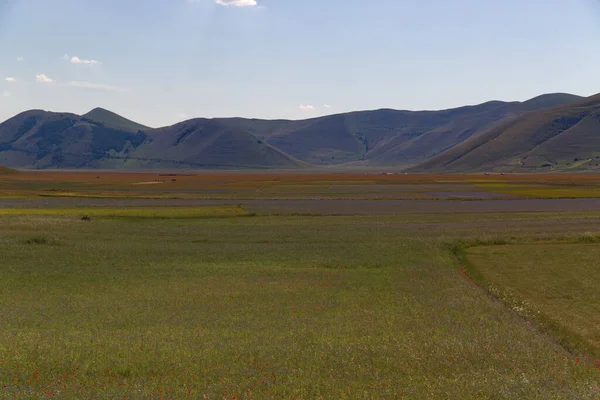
point(305, 286)
point(295, 185)
point(556, 283)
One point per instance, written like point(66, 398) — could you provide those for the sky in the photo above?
point(163, 61)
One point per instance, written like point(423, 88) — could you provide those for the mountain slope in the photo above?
point(465, 123)
point(111, 120)
point(40, 139)
point(102, 139)
point(208, 144)
point(559, 138)
point(393, 137)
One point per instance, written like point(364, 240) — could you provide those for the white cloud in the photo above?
point(237, 3)
point(41, 78)
point(77, 60)
point(20, 59)
point(10, 79)
point(306, 107)
point(6, 93)
point(327, 105)
point(96, 86)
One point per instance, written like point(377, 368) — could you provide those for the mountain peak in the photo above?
point(550, 100)
point(98, 110)
point(113, 120)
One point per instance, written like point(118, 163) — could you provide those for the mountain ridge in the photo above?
point(383, 137)
point(564, 137)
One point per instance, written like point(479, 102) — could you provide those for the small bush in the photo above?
point(86, 218)
point(588, 238)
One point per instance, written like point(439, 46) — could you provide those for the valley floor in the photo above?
point(271, 296)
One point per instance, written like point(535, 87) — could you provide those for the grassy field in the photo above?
point(218, 302)
point(556, 190)
point(87, 213)
point(558, 281)
point(293, 185)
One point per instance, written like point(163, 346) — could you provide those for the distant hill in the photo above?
point(109, 119)
point(204, 143)
point(388, 137)
point(430, 139)
point(40, 139)
point(561, 138)
point(101, 139)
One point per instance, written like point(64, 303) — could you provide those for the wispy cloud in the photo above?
point(237, 3)
point(20, 59)
point(77, 60)
point(306, 107)
point(96, 86)
point(327, 105)
point(6, 93)
point(10, 79)
point(41, 78)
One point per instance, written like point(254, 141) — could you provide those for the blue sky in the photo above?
point(161, 61)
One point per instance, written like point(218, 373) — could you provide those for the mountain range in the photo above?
point(547, 133)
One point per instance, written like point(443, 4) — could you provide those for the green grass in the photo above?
point(558, 281)
point(542, 191)
point(133, 212)
point(268, 307)
point(557, 193)
point(6, 171)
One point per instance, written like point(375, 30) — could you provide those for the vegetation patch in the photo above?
point(87, 213)
point(40, 240)
point(552, 284)
point(543, 191)
point(203, 302)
